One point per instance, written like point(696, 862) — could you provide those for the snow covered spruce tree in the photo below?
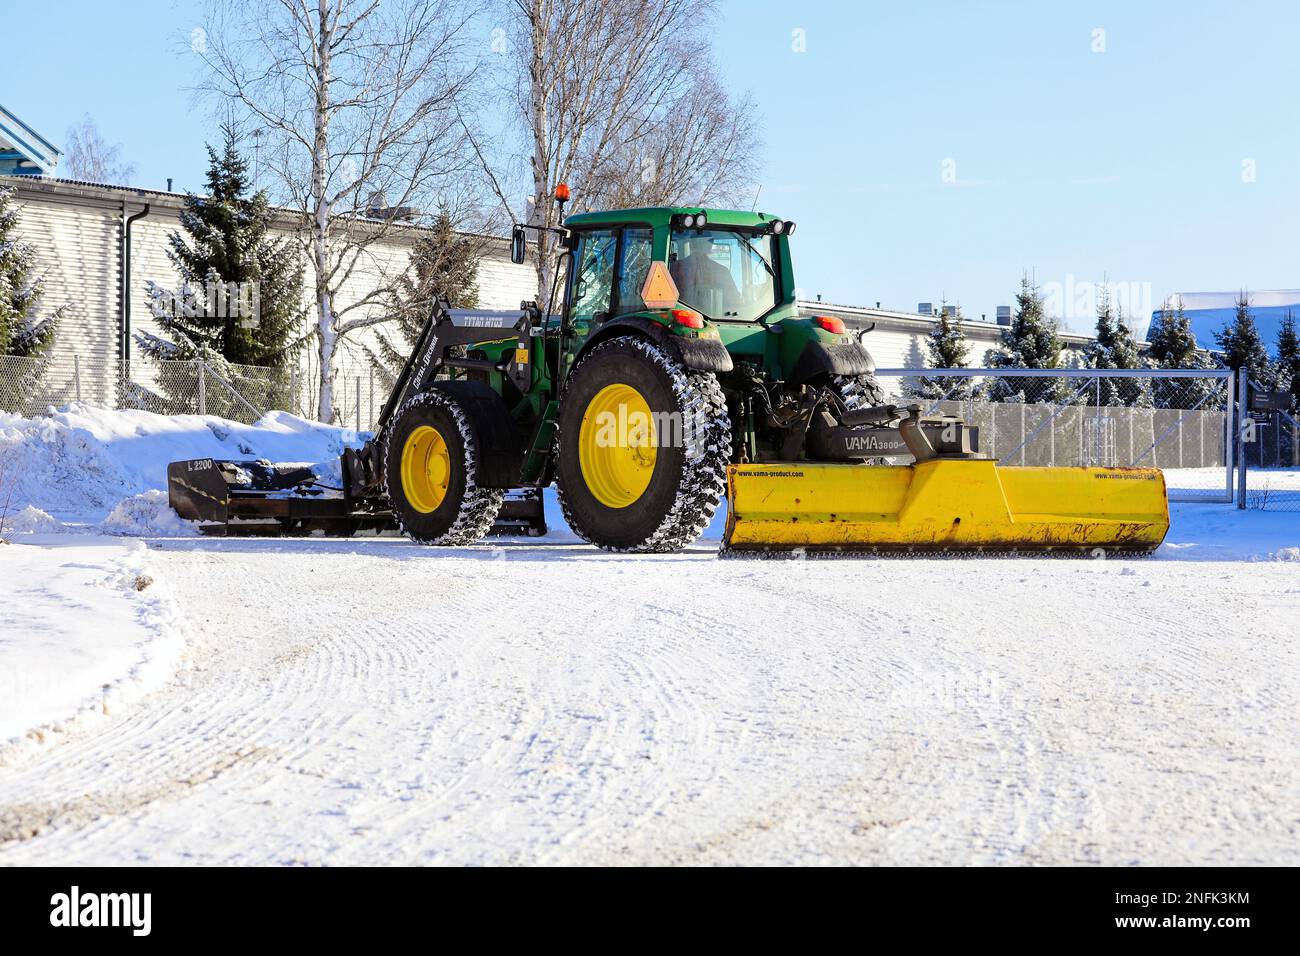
point(1030, 341)
point(444, 265)
point(1287, 375)
point(1173, 345)
point(239, 301)
point(1114, 348)
point(1242, 346)
point(25, 330)
point(946, 347)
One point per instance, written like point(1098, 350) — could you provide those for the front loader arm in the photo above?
point(434, 351)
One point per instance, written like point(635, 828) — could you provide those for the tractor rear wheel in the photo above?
point(858, 391)
point(644, 445)
point(429, 473)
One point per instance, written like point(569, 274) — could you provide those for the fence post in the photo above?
point(1243, 402)
point(1024, 451)
point(203, 399)
point(76, 374)
point(1096, 428)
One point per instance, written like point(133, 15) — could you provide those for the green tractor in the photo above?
point(677, 371)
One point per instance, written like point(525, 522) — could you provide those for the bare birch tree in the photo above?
point(356, 100)
point(87, 156)
point(615, 98)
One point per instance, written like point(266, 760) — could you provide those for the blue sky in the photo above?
point(1126, 163)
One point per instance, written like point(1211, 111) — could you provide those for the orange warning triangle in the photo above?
point(659, 291)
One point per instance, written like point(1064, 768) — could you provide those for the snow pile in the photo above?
point(89, 627)
point(30, 520)
point(81, 460)
point(147, 513)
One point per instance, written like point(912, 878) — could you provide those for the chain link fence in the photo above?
point(1180, 421)
point(30, 386)
point(1176, 420)
point(210, 386)
point(359, 390)
point(1271, 450)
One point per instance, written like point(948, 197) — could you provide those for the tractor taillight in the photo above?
point(689, 319)
point(831, 324)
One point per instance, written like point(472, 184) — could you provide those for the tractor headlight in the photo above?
point(688, 222)
point(701, 221)
point(777, 227)
point(789, 228)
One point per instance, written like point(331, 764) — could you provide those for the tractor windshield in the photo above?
point(724, 273)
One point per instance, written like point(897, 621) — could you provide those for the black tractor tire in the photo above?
point(858, 391)
point(688, 480)
point(466, 512)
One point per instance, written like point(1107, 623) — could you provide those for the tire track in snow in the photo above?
point(552, 704)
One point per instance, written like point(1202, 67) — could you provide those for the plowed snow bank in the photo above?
point(77, 463)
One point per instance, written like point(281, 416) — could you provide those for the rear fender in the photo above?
point(696, 354)
point(829, 359)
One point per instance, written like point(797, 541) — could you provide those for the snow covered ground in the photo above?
point(85, 632)
point(372, 701)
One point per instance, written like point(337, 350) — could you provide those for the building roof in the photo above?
point(115, 194)
point(23, 151)
point(1209, 312)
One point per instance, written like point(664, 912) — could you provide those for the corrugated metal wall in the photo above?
point(77, 248)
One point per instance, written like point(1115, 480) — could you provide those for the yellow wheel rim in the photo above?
point(426, 469)
point(617, 446)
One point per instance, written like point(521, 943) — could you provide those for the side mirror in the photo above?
point(518, 244)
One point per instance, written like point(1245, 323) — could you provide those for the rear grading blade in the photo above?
point(262, 498)
point(944, 505)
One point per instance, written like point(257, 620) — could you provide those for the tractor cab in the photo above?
point(716, 265)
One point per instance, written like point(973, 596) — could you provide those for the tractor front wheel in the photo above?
point(644, 445)
point(429, 473)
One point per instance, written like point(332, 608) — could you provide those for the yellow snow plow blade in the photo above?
point(944, 505)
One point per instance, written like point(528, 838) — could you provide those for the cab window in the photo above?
point(724, 273)
point(593, 274)
point(638, 244)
